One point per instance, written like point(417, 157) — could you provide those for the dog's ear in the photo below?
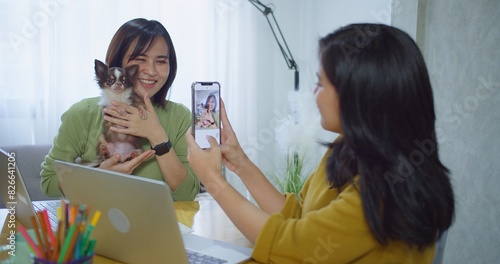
point(131, 71)
point(101, 71)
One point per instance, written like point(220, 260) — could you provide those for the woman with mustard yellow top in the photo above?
point(380, 194)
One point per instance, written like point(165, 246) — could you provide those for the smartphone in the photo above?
point(206, 112)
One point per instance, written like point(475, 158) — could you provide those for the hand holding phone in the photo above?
point(206, 112)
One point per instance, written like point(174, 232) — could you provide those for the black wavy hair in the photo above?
point(388, 122)
point(145, 31)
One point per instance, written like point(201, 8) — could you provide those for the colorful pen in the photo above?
point(30, 241)
point(93, 222)
point(66, 245)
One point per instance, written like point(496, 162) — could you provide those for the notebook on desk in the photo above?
point(16, 197)
point(138, 222)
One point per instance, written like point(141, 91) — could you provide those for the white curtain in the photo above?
point(48, 49)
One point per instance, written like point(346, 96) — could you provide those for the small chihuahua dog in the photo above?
point(116, 85)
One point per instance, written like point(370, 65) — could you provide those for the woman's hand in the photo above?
point(233, 156)
point(208, 119)
point(128, 166)
point(136, 121)
point(207, 166)
point(206, 163)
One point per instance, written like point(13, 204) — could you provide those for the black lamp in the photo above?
point(266, 11)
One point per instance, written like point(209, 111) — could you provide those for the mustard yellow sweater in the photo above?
point(328, 226)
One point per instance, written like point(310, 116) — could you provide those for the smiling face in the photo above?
point(153, 69)
point(328, 103)
point(211, 103)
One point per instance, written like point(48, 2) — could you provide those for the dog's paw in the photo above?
point(142, 113)
point(134, 154)
point(103, 149)
point(121, 111)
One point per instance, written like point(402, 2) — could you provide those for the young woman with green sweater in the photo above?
point(162, 126)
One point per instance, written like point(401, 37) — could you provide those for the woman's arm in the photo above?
point(207, 164)
point(170, 166)
point(69, 143)
point(264, 193)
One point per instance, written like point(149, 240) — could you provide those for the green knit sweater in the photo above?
point(80, 129)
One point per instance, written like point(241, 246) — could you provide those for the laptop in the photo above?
point(16, 197)
point(138, 222)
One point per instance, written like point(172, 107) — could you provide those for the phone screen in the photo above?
point(206, 112)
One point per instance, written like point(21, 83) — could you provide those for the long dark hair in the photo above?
point(145, 31)
point(215, 101)
point(388, 126)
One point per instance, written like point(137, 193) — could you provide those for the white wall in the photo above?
point(460, 44)
point(461, 49)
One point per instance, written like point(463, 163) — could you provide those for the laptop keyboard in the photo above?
point(198, 258)
point(51, 207)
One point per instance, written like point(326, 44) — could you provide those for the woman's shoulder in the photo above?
point(177, 105)
point(83, 109)
point(174, 108)
point(86, 105)
point(81, 115)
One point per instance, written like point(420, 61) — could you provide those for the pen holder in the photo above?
point(83, 260)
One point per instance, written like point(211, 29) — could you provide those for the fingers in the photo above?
point(119, 106)
point(227, 132)
point(145, 155)
point(223, 116)
point(117, 121)
point(122, 109)
point(213, 142)
point(147, 102)
point(109, 163)
point(126, 111)
point(192, 145)
point(190, 139)
point(120, 113)
point(135, 162)
point(143, 114)
point(117, 112)
point(127, 167)
point(204, 162)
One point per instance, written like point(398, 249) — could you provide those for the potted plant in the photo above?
point(295, 134)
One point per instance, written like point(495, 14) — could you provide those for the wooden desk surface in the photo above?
point(204, 216)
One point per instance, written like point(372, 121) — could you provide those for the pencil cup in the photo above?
point(83, 260)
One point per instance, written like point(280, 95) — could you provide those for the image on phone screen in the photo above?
point(206, 112)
